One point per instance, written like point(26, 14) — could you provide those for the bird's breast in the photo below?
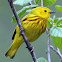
point(34, 29)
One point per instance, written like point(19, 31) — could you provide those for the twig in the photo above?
point(30, 3)
point(48, 35)
point(22, 32)
point(42, 3)
point(48, 53)
point(57, 51)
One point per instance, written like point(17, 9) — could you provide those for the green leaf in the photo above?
point(58, 42)
point(22, 12)
point(41, 59)
point(59, 22)
point(37, 1)
point(49, 22)
point(21, 2)
point(56, 35)
point(54, 21)
point(56, 31)
point(59, 8)
point(49, 2)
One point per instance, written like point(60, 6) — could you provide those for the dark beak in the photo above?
point(52, 12)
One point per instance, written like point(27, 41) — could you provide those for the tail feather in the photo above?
point(14, 47)
point(11, 53)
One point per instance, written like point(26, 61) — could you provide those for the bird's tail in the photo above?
point(11, 53)
point(13, 49)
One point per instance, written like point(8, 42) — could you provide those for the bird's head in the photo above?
point(43, 12)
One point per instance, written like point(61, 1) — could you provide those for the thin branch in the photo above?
point(48, 53)
point(57, 51)
point(30, 3)
point(50, 46)
point(48, 35)
point(22, 31)
point(42, 3)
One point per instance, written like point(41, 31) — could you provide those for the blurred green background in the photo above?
point(6, 31)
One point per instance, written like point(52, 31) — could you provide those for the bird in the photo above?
point(34, 24)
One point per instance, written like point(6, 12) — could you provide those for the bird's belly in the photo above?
point(32, 36)
point(34, 32)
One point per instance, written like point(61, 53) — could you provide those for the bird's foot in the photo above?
point(21, 29)
point(31, 49)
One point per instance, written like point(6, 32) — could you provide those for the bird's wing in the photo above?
point(14, 34)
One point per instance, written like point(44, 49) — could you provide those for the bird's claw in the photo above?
point(31, 49)
point(21, 29)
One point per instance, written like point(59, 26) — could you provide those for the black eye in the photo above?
point(45, 10)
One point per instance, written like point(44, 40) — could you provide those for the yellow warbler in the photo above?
point(34, 25)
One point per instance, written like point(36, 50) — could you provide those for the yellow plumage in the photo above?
point(34, 25)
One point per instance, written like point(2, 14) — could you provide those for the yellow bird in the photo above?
point(34, 25)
